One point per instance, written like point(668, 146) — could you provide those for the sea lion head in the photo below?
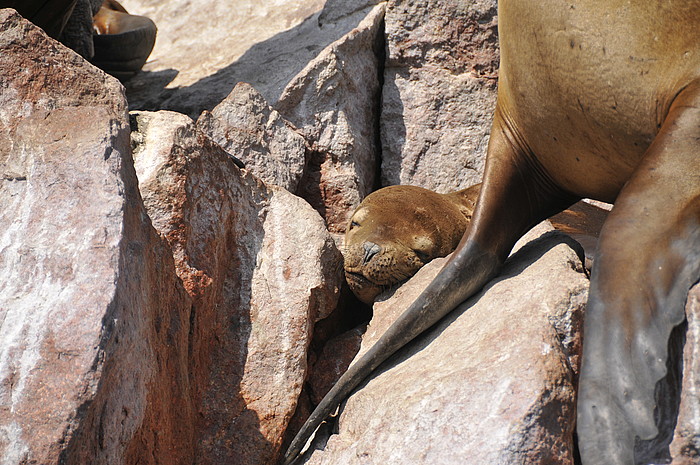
point(398, 229)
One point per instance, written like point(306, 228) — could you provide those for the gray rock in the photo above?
point(205, 47)
point(249, 129)
point(685, 445)
point(334, 102)
point(260, 267)
point(94, 321)
point(439, 92)
point(495, 383)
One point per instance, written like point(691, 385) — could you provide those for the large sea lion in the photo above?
point(597, 99)
point(398, 229)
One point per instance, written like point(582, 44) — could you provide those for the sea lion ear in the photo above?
point(648, 257)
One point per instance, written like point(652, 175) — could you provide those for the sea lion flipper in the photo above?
point(648, 257)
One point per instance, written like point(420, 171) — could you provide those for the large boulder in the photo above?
point(493, 383)
point(261, 269)
point(95, 323)
point(334, 101)
point(439, 92)
point(249, 129)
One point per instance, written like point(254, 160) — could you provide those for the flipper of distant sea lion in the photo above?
point(122, 41)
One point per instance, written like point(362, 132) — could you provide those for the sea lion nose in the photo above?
point(371, 249)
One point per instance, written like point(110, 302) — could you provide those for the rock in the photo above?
point(93, 340)
point(205, 47)
point(685, 447)
point(439, 92)
point(333, 361)
point(248, 128)
point(334, 102)
point(260, 267)
point(495, 383)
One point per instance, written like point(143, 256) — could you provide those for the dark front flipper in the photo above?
point(515, 195)
point(648, 257)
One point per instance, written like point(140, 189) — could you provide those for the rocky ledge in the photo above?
point(159, 304)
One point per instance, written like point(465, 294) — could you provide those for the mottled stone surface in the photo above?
point(261, 269)
point(334, 102)
point(439, 92)
point(494, 383)
point(685, 447)
point(205, 47)
point(93, 320)
point(249, 129)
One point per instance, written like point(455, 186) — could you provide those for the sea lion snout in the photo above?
point(371, 249)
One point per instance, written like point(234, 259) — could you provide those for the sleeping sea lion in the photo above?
point(398, 229)
point(596, 99)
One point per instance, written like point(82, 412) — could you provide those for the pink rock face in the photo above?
point(493, 384)
point(685, 448)
point(439, 92)
point(334, 102)
point(248, 128)
point(261, 269)
point(93, 318)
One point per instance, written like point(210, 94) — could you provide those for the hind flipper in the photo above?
point(648, 258)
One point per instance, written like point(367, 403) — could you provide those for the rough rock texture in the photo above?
point(333, 360)
point(439, 92)
point(205, 47)
point(248, 128)
point(495, 383)
point(334, 102)
point(93, 320)
point(685, 448)
point(261, 268)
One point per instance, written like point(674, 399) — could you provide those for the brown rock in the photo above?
point(685, 448)
point(333, 361)
point(261, 268)
point(493, 384)
point(439, 92)
point(94, 330)
point(334, 102)
point(248, 128)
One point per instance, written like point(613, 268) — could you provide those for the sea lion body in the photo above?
point(598, 99)
point(398, 229)
point(589, 87)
